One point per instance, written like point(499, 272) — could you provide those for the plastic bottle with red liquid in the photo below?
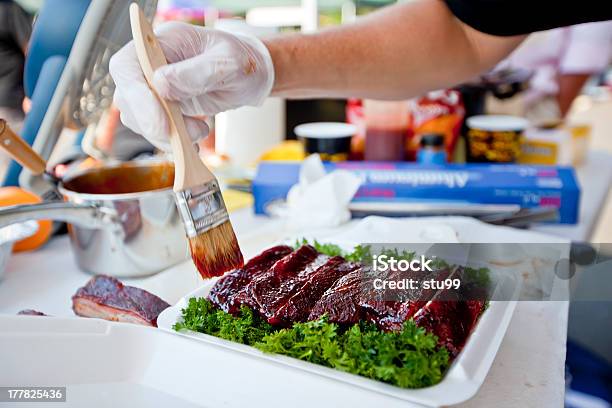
point(386, 129)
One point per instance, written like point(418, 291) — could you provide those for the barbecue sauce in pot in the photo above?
point(122, 179)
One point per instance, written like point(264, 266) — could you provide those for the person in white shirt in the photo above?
point(562, 60)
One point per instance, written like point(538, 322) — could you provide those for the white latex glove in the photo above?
point(209, 71)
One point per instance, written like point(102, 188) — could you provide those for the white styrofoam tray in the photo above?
point(460, 383)
point(468, 371)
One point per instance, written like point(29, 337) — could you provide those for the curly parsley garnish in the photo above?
point(409, 358)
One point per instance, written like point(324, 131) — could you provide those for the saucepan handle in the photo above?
point(83, 215)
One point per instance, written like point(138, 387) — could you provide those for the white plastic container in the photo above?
point(11, 234)
point(330, 140)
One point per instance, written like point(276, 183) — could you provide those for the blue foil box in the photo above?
point(527, 186)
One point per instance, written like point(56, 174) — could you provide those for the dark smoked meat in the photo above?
point(353, 298)
point(286, 286)
point(107, 298)
point(270, 290)
point(231, 286)
point(389, 309)
point(341, 301)
point(391, 315)
point(297, 307)
point(388, 314)
point(450, 320)
point(452, 314)
point(295, 262)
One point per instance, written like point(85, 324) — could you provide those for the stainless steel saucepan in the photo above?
point(122, 218)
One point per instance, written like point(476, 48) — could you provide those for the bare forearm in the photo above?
point(398, 52)
point(569, 87)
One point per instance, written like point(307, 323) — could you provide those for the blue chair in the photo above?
point(56, 27)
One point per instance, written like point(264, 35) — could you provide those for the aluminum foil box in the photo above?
point(524, 185)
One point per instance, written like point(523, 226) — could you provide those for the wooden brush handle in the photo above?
point(20, 150)
point(190, 171)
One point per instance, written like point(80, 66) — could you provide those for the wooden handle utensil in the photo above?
point(212, 241)
point(190, 171)
point(20, 150)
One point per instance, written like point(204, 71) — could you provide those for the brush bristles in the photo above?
point(216, 251)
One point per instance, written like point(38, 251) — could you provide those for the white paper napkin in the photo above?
point(320, 200)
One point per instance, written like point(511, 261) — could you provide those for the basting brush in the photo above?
point(213, 244)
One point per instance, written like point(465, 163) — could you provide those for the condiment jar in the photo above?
point(386, 129)
point(431, 150)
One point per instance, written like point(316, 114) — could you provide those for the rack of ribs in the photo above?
point(286, 286)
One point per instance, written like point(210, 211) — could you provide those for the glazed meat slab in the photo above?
point(107, 298)
point(286, 286)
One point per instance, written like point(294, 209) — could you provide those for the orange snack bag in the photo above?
point(436, 112)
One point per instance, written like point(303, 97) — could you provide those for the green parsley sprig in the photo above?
point(409, 358)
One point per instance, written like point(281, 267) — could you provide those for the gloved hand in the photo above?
point(209, 71)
